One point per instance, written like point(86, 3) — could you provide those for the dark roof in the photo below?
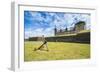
point(80, 22)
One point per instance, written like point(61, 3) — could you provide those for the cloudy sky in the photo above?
point(38, 23)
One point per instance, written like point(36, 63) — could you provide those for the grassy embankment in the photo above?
point(57, 51)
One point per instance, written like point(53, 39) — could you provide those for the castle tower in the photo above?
point(55, 30)
point(66, 29)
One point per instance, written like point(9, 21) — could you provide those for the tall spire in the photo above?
point(55, 30)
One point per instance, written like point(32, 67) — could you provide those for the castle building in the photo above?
point(79, 26)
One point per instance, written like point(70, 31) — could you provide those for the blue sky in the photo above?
point(38, 23)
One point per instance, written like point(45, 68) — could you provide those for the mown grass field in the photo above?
point(57, 51)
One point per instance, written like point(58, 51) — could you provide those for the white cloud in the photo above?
point(39, 32)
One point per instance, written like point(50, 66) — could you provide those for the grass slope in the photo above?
point(57, 51)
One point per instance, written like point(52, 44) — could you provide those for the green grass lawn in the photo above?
point(57, 51)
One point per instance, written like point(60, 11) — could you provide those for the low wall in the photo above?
point(80, 37)
point(33, 39)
